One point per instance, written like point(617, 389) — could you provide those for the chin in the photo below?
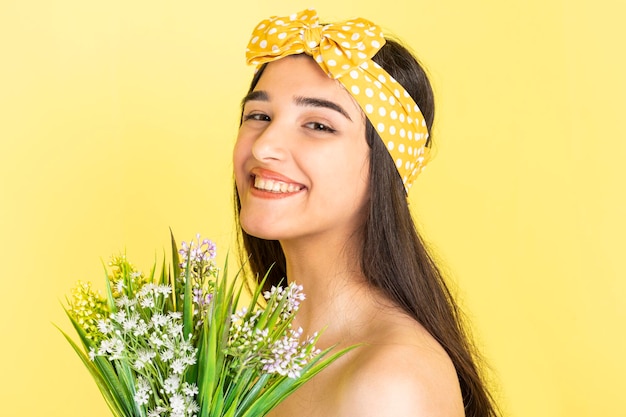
point(259, 228)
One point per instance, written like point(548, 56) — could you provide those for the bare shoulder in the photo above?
point(398, 370)
point(409, 374)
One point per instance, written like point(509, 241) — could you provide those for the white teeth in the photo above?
point(275, 186)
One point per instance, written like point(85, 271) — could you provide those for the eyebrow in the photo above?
point(320, 102)
point(255, 96)
point(260, 95)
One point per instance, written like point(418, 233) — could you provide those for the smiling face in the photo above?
point(301, 160)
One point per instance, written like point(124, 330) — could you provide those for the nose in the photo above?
point(271, 144)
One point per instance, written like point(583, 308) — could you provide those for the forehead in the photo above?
point(298, 71)
point(300, 76)
point(302, 64)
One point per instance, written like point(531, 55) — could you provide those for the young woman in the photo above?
point(334, 129)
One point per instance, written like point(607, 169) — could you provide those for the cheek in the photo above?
point(241, 154)
point(343, 174)
point(353, 161)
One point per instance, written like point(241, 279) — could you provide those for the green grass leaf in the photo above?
point(107, 391)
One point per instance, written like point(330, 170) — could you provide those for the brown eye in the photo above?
point(320, 127)
point(261, 117)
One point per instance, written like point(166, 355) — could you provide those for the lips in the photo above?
point(272, 182)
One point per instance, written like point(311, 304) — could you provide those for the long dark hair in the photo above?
point(394, 258)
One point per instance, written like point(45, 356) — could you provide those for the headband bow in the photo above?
point(344, 51)
point(337, 48)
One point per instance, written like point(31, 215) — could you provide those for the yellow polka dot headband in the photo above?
point(344, 51)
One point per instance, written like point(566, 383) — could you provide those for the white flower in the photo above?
point(143, 390)
point(141, 328)
point(171, 384)
point(104, 326)
point(189, 359)
point(239, 314)
point(118, 349)
point(190, 390)
point(177, 402)
point(163, 289)
point(192, 408)
point(124, 301)
point(119, 317)
point(186, 346)
point(143, 357)
point(156, 340)
point(146, 302)
point(131, 322)
point(178, 366)
point(175, 329)
point(105, 347)
point(159, 320)
point(141, 397)
point(167, 354)
point(145, 290)
point(156, 412)
point(288, 356)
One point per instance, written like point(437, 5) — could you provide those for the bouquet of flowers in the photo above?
point(177, 343)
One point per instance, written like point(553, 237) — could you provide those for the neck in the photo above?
point(337, 294)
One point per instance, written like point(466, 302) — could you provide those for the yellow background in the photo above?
point(117, 119)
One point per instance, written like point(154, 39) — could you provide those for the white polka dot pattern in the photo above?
point(344, 51)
